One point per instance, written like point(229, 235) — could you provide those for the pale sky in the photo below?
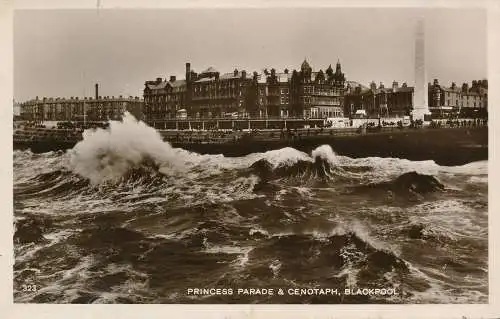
point(64, 52)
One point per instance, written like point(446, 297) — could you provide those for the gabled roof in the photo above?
point(158, 86)
point(405, 89)
point(355, 84)
point(284, 77)
point(261, 78)
point(210, 70)
point(230, 75)
point(207, 79)
point(365, 90)
point(177, 83)
point(456, 89)
point(305, 65)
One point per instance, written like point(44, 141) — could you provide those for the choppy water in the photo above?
point(125, 218)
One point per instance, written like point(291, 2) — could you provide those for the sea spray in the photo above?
point(108, 154)
point(326, 153)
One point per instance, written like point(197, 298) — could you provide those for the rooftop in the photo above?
point(210, 70)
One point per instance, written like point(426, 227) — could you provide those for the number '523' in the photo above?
point(28, 287)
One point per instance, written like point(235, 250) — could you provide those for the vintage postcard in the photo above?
point(254, 155)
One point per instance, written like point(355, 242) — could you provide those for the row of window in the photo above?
point(220, 93)
point(70, 110)
point(465, 96)
point(162, 98)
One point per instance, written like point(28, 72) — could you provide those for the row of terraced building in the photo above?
point(302, 93)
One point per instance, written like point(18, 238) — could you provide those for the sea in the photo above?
point(124, 217)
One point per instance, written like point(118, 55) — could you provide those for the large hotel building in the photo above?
point(271, 94)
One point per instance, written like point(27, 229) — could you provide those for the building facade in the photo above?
point(98, 109)
point(163, 99)
point(211, 94)
point(205, 95)
point(396, 101)
point(454, 101)
point(216, 95)
point(317, 94)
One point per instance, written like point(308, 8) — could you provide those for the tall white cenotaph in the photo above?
point(420, 104)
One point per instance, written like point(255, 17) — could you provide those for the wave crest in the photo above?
point(108, 154)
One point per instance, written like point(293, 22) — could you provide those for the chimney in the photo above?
point(172, 78)
point(235, 72)
point(465, 87)
point(96, 90)
point(243, 74)
point(188, 72)
point(373, 86)
point(158, 80)
point(395, 85)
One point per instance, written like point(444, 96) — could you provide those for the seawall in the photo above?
point(450, 146)
point(446, 146)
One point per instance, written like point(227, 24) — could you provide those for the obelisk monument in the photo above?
point(420, 104)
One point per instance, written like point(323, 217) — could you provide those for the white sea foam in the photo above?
point(275, 267)
point(325, 152)
point(452, 218)
point(109, 154)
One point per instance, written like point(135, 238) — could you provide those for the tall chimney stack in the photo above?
point(188, 72)
point(96, 91)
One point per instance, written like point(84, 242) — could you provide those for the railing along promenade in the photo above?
point(263, 135)
point(235, 134)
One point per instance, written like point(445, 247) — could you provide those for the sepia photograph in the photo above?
point(287, 155)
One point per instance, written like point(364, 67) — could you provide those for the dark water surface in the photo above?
point(125, 218)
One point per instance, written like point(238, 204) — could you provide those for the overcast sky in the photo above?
point(64, 52)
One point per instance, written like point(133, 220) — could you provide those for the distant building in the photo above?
point(395, 101)
point(453, 101)
point(97, 109)
point(16, 110)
